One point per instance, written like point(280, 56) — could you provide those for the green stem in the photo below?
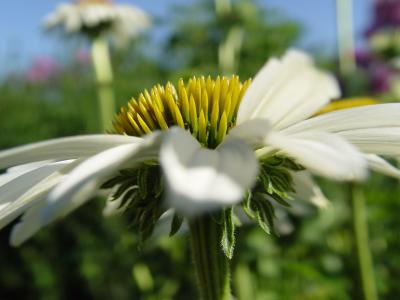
point(104, 78)
point(211, 265)
point(229, 50)
point(344, 22)
point(222, 7)
point(362, 242)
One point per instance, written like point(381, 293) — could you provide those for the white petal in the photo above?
point(63, 148)
point(29, 224)
point(17, 171)
point(253, 132)
point(323, 154)
point(83, 182)
point(371, 116)
point(382, 141)
point(380, 165)
point(307, 189)
point(287, 91)
point(200, 179)
point(19, 185)
point(14, 207)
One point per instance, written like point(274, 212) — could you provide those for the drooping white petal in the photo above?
point(82, 183)
point(307, 189)
point(371, 116)
point(63, 148)
point(29, 224)
point(382, 141)
point(13, 207)
point(378, 164)
point(33, 196)
point(323, 154)
point(201, 179)
point(287, 91)
point(13, 189)
point(19, 170)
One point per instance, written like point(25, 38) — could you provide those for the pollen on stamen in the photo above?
point(206, 107)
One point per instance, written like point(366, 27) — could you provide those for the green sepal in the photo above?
point(142, 181)
point(176, 224)
point(228, 232)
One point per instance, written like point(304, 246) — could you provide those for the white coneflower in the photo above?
point(100, 20)
point(200, 148)
point(99, 16)
point(207, 141)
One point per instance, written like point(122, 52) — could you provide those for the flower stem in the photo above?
point(211, 265)
point(362, 243)
point(104, 78)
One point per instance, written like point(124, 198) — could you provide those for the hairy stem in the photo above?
point(211, 265)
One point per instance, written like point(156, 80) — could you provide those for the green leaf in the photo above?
point(176, 224)
point(260, 217)
point(228, 232)
point(246, 205)
point(142, 181)
point(121, 189)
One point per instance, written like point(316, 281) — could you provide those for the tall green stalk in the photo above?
point(211, 265)
point(228, 51)
point(345, 40)
point(362, 242)
point(104, 78)
point(355, 193)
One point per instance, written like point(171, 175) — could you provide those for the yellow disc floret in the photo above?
point(205, 107)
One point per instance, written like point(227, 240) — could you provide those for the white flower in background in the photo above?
point(215, 140)
point(99, 16)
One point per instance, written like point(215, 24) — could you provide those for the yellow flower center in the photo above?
point(205, 107)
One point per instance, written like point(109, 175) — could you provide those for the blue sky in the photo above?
point(22, 38)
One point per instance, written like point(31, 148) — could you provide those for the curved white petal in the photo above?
point(200, 179)
point(63, 148)
point(287, 91)
point(83, 182)
point(382, 141)
point(371, 116)
point(29, 224)
point(13, 207)
point(19, 170)
point(307, 189)
point(323, 154)
point(19, 185)
point(378, 164)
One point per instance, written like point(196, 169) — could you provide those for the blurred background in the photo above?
point(47, 90)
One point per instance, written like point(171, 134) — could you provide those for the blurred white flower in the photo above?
point(273, 118)
point(95, 17)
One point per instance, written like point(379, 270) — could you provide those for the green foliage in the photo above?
point(274, 183)
point(197, 27)
point(140, 195)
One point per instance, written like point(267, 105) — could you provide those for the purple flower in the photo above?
point(42, 70)
point(363, 58)
point(386, 15)
point(380, 78)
